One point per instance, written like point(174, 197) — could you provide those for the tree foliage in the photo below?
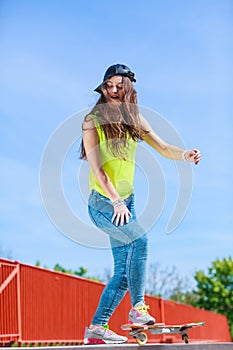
point(166, 282)
point(82, 272)
point(214, 289)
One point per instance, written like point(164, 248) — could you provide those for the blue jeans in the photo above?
point(129, 250)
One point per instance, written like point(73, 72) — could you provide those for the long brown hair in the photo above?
point(118, 120)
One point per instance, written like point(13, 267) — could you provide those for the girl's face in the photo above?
point(114, 86)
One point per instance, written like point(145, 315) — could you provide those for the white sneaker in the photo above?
point(140, 316)
point(102, 335)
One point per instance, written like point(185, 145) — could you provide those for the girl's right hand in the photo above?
point(121, 213)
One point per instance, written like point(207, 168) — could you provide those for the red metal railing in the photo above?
point(10, 320)
point(47, 307)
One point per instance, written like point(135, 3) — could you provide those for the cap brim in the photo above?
point(98, 89)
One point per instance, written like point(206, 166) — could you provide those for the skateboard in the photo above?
point(137, 331)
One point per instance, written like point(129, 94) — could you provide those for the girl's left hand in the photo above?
point(193, 156)
point(121, 214)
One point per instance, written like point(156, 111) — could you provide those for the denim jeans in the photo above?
point(129, 250)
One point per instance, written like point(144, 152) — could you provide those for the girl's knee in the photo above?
point(120, 281)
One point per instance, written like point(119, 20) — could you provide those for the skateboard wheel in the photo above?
point(185, 338)
point(141, 338)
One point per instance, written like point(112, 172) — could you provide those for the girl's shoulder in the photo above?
point(89, 122)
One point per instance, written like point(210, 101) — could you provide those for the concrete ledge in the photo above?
point(181, 346)
point(213, 346)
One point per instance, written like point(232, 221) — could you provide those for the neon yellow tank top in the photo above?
point(120, 171)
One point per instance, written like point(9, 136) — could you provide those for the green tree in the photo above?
point(183, 297)
point(166, 282)
point(214, 290)
point(82, 272)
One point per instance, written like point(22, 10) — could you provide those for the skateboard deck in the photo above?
point(137, 331)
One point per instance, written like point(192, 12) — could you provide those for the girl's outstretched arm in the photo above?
point(165, 149)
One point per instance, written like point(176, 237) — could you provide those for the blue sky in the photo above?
point(54, 53)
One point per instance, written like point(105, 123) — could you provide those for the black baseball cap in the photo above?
point(116, 69)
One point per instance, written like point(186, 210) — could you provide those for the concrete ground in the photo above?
point(194, 346)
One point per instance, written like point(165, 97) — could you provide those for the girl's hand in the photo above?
point(121, 213)
point(192, 156)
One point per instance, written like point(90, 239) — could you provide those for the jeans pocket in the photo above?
point(100, 203)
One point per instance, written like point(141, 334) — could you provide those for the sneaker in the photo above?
point(102, 335)
point(140, 316)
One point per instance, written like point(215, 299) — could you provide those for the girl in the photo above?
point(110, 136)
